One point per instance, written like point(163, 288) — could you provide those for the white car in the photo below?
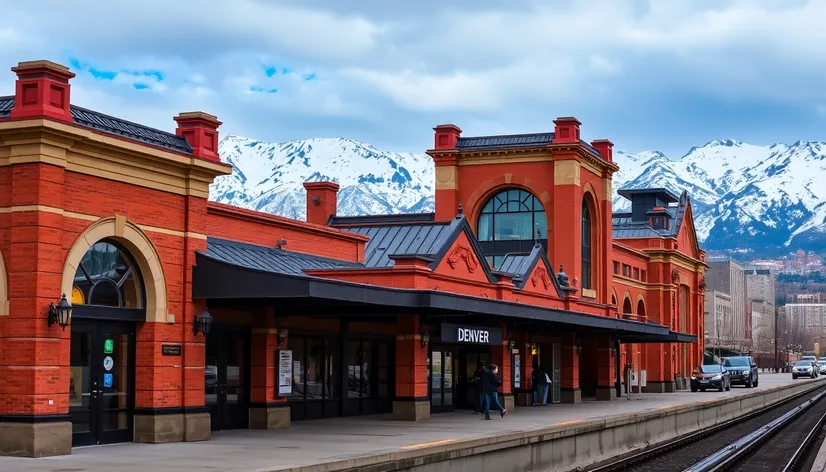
point(822, 366)
point(804, 369)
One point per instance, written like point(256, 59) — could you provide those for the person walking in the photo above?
point(539, 380)
point(490, 386)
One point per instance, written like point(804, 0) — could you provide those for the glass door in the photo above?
point(101, 383)
point(442, 383)
point(556, 388)
point(226, 383)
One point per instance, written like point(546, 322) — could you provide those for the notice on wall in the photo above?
point(285, 372)
point(517, 371)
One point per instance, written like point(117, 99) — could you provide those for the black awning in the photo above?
point(215, 279)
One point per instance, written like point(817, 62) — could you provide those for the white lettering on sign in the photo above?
point(466, 335)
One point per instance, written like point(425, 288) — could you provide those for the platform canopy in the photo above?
point(246, 282)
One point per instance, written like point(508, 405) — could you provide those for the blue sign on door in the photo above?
point(107, 380)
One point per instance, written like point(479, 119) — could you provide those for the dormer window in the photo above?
point(658, 218)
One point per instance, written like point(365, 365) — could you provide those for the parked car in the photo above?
point(821, 364)
point(804, 369)
point(743, 370)
point(710, 376)
point(809, 358)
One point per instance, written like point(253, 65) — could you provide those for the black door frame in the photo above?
point(224, 415)
point(442, 349)
point(96, 327)
point(464, 386)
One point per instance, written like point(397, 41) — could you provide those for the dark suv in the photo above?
point(743, 370)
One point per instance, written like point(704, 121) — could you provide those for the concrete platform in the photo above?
point(352, 443)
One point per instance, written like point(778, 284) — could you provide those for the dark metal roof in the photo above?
point(624, 227)
point(270, 259)
point(6, 104)
point(422, 239)
point(662, 193)
point(514, 264)
point(216, 280)
point(398, 218)
point(116, 126)
point(505, 142)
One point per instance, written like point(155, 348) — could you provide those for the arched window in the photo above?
point(641, 309)
point(107, 276)
point(586, 246)
point(626, 306)
point(510, 222)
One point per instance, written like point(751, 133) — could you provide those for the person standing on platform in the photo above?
point(539, 379)
point(490, 386)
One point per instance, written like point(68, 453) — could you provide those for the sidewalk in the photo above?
point(312, 442)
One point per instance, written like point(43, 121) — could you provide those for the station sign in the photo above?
point(462, 334)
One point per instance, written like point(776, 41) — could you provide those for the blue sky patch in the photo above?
point(258, 89)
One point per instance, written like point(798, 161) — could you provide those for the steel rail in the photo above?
point(804, 446)
point(729, 455)
point(660, 449)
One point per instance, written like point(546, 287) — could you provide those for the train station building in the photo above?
point(132, 309)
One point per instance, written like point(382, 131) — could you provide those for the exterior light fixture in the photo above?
point(425, 339)
point(512, 345)
point(282, 335)
point(60, 314)
point(203, 323)
point(579, 349)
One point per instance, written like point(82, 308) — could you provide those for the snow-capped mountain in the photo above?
point(744, 196)
point(269, 176)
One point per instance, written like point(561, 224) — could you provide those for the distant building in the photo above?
point(760, 292)
point(719, 326)
point(804, 324)
point(808, 297)
point(727, 276)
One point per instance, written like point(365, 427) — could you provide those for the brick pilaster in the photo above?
point(570, 370)
point(411, 402)
point(606, 370)
point(267, 409)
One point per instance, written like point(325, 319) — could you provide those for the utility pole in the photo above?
point(775, 339)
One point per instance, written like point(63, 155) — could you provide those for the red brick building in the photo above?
point(189, 316)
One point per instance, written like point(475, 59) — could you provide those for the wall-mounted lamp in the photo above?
point(512, 345)
point(282, 335)
point(579, 349)
point(425, 339)
point(202, 323)
point(60, 314)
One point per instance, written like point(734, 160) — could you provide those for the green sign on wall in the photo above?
point(109, 346)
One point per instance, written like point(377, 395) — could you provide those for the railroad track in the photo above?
point(771, 439)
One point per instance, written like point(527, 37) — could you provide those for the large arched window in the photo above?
point(586, 246)
point(107, 276)
point(511, 222)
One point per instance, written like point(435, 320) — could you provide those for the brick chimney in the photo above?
point(42, 91)
point(566, 130)
point(446, 136)
point(201, 132)
point(605, 148)
point(322, 198)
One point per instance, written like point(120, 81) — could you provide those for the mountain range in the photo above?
point(765, 200)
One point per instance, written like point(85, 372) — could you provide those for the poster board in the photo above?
point(285, 372)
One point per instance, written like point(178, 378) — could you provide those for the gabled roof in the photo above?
point(268, 259)
point(115, 126)
point(625, 228)
point(522, 265)
point(424, 239)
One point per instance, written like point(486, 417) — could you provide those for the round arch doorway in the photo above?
point(108, 297)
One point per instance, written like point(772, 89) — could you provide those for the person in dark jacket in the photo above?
point(539, 380)
point(490, 386)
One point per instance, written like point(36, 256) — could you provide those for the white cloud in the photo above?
point(502, 66)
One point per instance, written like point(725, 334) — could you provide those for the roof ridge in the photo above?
point(517, 135)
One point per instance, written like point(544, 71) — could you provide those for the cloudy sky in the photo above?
point(648, 74)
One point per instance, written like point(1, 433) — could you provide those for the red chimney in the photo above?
point(42, 91)
point(446, 136)
point(322, 198)
point(605, 148)
point(201, 132)
point(566, 130)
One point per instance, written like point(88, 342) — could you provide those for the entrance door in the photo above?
point(442, 381)
point(467, 394)
point(101, 382)
point(226, 382)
